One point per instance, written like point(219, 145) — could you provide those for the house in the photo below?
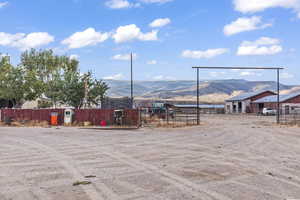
point(243, 103)
point(288, 103)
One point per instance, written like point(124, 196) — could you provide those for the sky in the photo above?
point(166, 37)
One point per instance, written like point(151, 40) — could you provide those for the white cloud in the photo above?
point(7, 39)
point(262, 46)
point(34, 40)
point(123, 4)
point(86, 38)
point(117, 4)
point(120, 4)
point(23, 41)
point(74, 57)
point(3, 4)
point(163, 78)
point(210, 53)
point(132, 32)
point(250, 73)
point(252, 6)
point(244, 24)
point(247, 73)
point(124, 57)
point(160, 22)
point(114, 77)
point(152, 62)
point(156, 1)
point(217, 74)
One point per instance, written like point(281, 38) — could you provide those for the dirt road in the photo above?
point(229, 157)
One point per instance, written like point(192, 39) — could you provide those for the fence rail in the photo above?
point(93, 116)
point(291, 118)
point(167, 118)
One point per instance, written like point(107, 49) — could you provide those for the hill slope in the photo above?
point(210, 91)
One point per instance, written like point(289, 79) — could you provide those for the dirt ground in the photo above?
point(228, 157)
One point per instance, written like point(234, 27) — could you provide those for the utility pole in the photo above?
point(278, 97)
point(86, 90)
point(131, 85)
point(198, 98)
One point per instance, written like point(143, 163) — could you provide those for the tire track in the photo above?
point(173, 179)
point(93, 193)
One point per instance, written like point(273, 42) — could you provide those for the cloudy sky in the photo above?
point(167, 37)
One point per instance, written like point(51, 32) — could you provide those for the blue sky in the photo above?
point(167, 37)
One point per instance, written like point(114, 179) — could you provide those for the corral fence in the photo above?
point(92, 116)
point(170, 117)
point(292, 118)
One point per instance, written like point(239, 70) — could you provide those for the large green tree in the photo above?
point(43, 71)
point(46, 64)
point(42, 74)
point(11, 82)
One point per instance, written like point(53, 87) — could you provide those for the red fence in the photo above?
point(94, 116)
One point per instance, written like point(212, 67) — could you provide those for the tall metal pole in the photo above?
point(198, 99)
point(131, 85)
point(278, 97)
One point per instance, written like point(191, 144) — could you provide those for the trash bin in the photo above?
point(68, 116)
point(54, 118)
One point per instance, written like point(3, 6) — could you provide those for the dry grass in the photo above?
point(27, 123)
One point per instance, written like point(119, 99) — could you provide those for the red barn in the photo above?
point(288, 103)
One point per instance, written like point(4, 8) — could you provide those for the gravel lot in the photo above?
point(228, 157)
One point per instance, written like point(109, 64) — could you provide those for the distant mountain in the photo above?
point(211, 91)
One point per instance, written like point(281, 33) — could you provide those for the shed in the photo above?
point(243, 103)
point(288, 103)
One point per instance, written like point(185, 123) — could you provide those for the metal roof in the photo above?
point(245, 96)
point(200, 106)
point(273, 98)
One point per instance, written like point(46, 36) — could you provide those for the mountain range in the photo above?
point(212, 91)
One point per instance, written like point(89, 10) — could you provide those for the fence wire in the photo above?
point(170, 118)
point(292, 118)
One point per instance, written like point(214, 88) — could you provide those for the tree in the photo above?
point(73, 89)
point(44, 63)
point(96, 92)
point(43, 72)
point(45, 76)
point(34, 87)
point(11, 82)
point(54, 90)
point(83, 90)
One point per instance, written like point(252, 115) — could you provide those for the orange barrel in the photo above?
point(54, 118)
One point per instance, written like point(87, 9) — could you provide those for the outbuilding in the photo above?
point(243, 103)
point(288, 103)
